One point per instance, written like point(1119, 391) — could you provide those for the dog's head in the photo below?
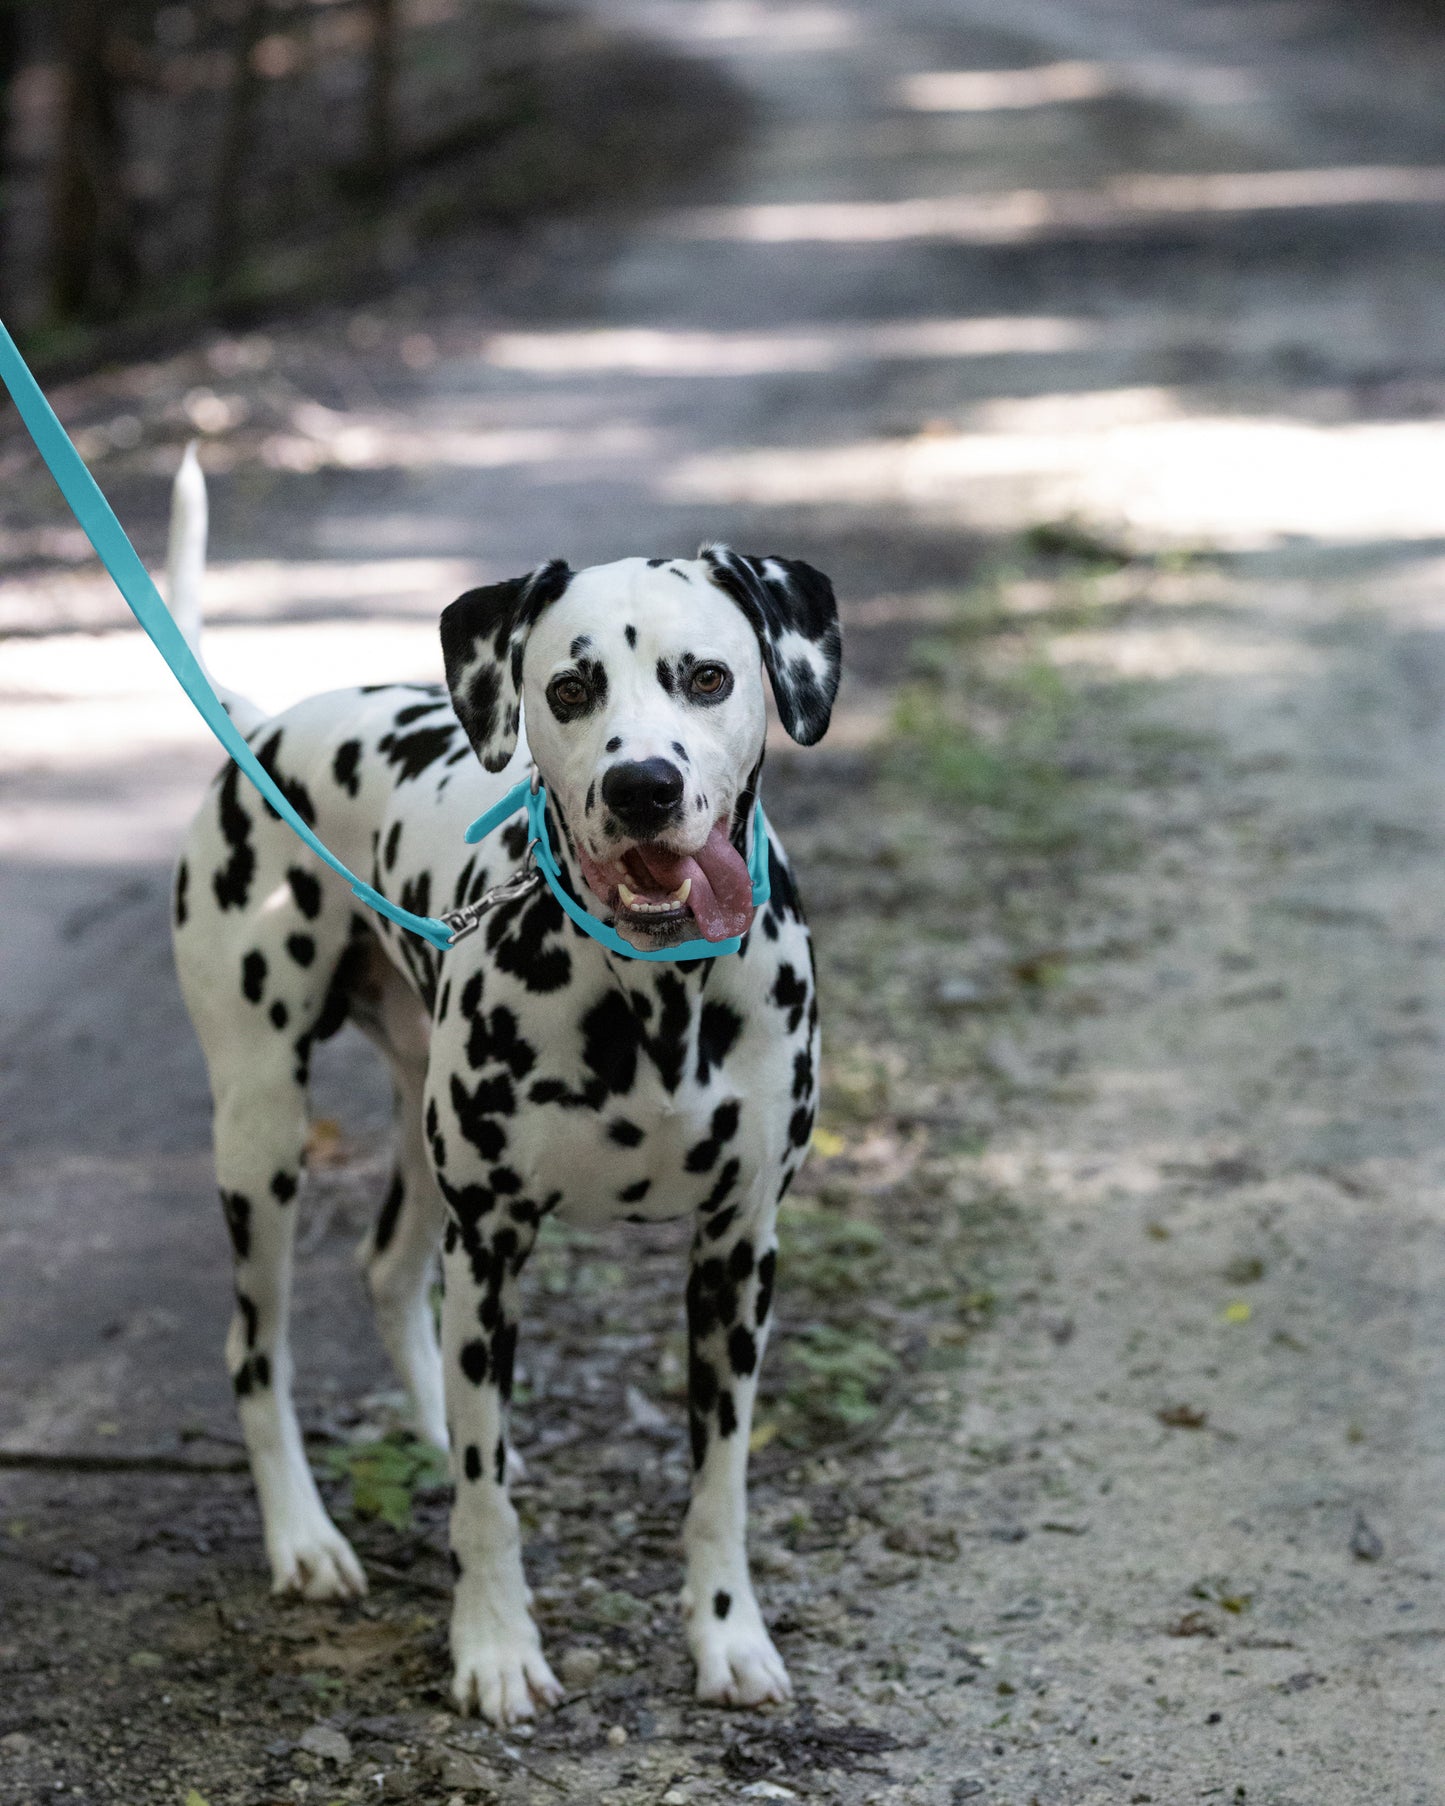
point(642, 684)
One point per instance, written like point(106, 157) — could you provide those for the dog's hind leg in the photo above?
point(257, 1018)
point(260, 1135)
point(729, 1305)
point(399, 1253)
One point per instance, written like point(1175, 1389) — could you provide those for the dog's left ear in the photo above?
point(794, 613)
point(484, 634)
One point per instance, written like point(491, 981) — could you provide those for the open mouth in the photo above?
point(662, 895)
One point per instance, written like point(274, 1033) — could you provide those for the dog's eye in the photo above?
point(710, 680)
point(567, 692)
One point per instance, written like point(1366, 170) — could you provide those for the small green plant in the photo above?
point(842, 1371)
point(386, 1475)
point(829, 1255)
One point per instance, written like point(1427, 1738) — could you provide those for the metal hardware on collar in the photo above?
point(531, 794)
point(468, 918)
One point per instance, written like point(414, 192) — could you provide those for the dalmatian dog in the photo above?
point(535, 1071)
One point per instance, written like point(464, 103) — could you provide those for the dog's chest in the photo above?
point(605, 1099)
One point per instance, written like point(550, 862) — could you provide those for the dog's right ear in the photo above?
point(484, 634)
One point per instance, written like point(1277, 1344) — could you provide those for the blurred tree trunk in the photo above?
point(11, 55)
point(381, 95)
point(93, 264)
point(227, 238)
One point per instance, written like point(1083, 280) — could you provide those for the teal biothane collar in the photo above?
point(531, 794)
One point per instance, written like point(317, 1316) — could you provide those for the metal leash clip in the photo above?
point(468, 918)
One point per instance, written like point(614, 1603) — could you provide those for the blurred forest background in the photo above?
point(169, 161)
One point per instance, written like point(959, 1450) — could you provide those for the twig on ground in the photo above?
point(83, 1462)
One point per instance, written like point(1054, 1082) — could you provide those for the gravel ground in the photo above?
point(1098, 350)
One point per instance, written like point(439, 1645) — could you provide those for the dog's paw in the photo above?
point(315, 1562)
point(737, 1665)
point(503, 1675)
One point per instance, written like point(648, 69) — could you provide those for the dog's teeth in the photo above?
point(629, 898)
point(683, 891)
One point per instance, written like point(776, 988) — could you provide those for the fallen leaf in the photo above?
point(762, 1435)
point(1238, 1312)
point(324, 1143)
point(355, 1647)
point(827, 1143)
point(1182, 1417)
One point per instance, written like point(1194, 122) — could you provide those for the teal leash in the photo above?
point(131, 578)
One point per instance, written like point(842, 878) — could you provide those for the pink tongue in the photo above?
point(721, 898)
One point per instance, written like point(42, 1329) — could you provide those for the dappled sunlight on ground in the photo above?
point(1013, 216)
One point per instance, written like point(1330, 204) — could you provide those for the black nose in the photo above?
point(643, 794)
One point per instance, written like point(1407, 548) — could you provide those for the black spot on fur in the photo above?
point(667, 677)
point(767, 1270)
point(718, 1029)
point(454, 1562)
point(249, 1316)
point(283, 1186)
point(722, 1604)
point(727, 1414)
point(703, 1157)
point(232, 884)
point(306, 889)
point(389, 1215)
point(414, 712)
point(476, 1112)
point(344, 766)
point(790, 993)
point(521, 937)
point(237, 1209)
point(412, 754)
point(701, 1386)
point(742, 1351)
point(504, 1355)
point(613, 1037)
point(473, 1359)
point(800, 1128)
point(393, 844)
point(292, 789)
point(630, 635)
point(280, 1015)
point(495, 1040)
point(472, 1462)
point(183, 885)
point(253, 975)
point(626, 1134)
point(740, 1261)
point(499, 1461)
point(721, 1192)
point(302, 948)
point(634, 1193)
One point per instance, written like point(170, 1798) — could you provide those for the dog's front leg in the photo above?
point(499, 1668)
point(729, 1300)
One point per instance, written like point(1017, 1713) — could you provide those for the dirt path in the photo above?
point(1108, 1454)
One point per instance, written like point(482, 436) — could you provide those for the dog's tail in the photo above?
point(185, 574)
